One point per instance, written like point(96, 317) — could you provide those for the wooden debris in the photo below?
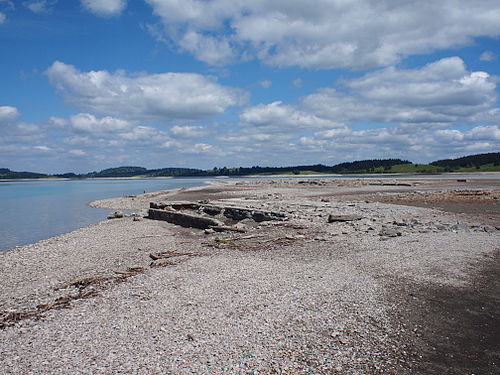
point(165, 263)
point(229, 239)
point(223, 228)
point(131, 271)
point(83, 283)
point(164, 254)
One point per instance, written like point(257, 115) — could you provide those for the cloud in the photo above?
point(105, 8)
point(8, 114)
point(331, 34)
point(39, 6)
point(265, 84)
point(487, 56)
point(280, 116)
point(167, 96)
point(77, 152)
point(206, 48)
point(90, 131)
point(188, 131)
point(440, 93)
point(57, 122)
point(87, 123)
point(3, 18)
point(42, 148)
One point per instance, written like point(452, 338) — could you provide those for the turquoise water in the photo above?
point(34, 210)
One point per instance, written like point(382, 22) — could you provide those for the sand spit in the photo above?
point(383, 287)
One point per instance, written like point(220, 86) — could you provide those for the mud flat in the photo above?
point(354, 278)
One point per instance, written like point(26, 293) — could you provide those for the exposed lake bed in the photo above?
point(400, 289)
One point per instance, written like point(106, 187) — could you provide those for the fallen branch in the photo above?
point(164, 254)
point(223, 240)
point(223, 228)
point(166, 263)
point(131, 271)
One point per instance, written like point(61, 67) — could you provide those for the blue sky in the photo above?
point(91, 84)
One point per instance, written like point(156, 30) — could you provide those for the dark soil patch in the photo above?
point(452, 330)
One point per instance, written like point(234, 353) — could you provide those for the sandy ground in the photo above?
point(403, 290)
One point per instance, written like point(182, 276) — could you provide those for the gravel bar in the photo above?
point(399, 290)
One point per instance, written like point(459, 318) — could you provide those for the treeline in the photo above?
point(471, 161)
point(6, 173)
point(482, 162)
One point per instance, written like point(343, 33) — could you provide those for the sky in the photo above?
point(92, 84)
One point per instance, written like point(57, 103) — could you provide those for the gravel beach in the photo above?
point(362, 276)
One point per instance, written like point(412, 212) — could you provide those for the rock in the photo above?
point(137, 218)
point(183, 219)
point(212, 210)
point(237, 213)
point(116, 215)
point(209, 231)
point(390, 232)
point(259, 216)
point(400, 223)
point(343, 218)
point(460, 226)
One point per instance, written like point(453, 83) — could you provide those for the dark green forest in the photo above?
point(471, 163)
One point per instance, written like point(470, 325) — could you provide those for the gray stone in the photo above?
point(212, 210)
point(237, 213)
point(267, 216)
point(343, 218)
point(390, 232)
point(183, 219)
point(116, 215)
point(460, 226)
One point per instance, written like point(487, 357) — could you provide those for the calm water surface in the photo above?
point(34, 210)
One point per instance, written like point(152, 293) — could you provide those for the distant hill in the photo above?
point(119, 172)
point(471, 163)
point(368, 166)
point(6, 173)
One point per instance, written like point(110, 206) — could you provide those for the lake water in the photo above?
point(34, 210)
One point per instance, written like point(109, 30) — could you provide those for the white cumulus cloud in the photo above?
point(439, 93)
point(77, 152)
point(280, 116)
point(327, 34)
point(8, 114)
point(167, 96)
point(88, 123)
point(188, 131)
point(105, 8)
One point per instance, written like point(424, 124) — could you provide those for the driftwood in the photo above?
point(164, 254)
point(83, 283)
point(229, 239)
point(131, 271)
point(166, 263)
point(223, 228)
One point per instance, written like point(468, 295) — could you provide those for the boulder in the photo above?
point(343, 218)
point(183, 219)
point(116, 215)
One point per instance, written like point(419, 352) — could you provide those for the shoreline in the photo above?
point(301, 295)
point(443, 175)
